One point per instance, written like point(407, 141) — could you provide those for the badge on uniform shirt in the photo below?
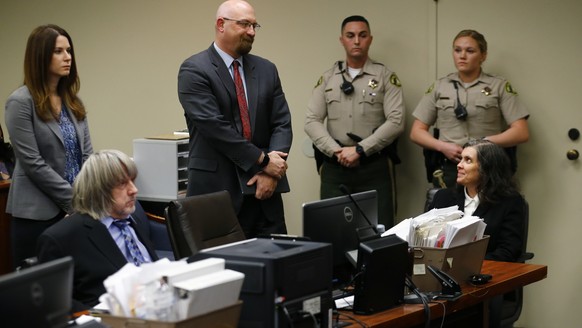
point(394, 80)
point(509, 88)
point(319, 82)
point(486, 91)
point(429, 89)
point(373, 84)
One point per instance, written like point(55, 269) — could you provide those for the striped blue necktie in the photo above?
point(130, 244)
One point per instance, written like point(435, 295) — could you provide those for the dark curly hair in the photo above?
point(496, 180)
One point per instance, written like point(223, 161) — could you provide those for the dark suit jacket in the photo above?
point(217, 148)
point(505, 222)
point(94, 252)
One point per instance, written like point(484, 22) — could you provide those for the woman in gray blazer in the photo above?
point(49, 132)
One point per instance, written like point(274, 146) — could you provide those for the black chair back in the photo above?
point(202, 221)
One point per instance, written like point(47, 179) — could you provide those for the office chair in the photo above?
point(202, 221)
point(157, 231)
point(429, 197)
point(160, 236)
point(513, 301)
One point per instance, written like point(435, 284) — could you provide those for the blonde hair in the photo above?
point(478, 37)
point(100, 174)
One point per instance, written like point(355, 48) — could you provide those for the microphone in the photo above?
point(344, 189)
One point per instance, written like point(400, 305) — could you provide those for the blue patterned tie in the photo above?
point(130, 244)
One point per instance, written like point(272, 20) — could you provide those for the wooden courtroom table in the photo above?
point(506, 277)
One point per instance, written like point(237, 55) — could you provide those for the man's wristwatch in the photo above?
point(360, 151)
point(266, 160)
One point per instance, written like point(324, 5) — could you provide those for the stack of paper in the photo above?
point(443, 228)
point(463, 231)
point(171, 291)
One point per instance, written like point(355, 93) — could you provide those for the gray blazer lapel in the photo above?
point(54, 127)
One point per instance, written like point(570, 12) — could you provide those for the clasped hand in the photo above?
point(266, 180)
point(348, 157)
point(277, 166)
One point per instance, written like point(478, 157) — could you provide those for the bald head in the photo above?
point(232, 7)
point(232, 35)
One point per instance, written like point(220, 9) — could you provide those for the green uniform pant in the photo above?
point(375, 175)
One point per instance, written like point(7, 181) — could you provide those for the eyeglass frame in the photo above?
point(244, 23)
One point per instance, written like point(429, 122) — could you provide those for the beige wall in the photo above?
point(128, 54)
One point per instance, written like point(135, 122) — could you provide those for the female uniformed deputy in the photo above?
point(468, 104)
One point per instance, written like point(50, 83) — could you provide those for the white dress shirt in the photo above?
point(471, 204)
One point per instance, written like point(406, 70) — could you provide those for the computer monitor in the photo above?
point(39, 296)
point(338, 221)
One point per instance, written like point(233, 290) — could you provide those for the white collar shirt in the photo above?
point(471, 204)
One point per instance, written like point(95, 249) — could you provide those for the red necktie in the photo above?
point(242, 102)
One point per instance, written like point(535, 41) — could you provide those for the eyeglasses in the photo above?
point(244, 23)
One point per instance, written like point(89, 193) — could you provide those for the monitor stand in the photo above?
point(367, 233)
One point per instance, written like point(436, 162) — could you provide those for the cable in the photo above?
point(353, 280)
point(336, 317)
point(289, 320)
point(422, 297)
point(358, 321)
point(304, 313)
point(444, 311)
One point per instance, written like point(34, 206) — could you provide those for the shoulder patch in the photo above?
point(319, 82)
point(394, 80)
point(430, 89)
point(510, 89)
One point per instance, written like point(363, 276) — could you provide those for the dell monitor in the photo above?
point(39, 296)
point(338, 221)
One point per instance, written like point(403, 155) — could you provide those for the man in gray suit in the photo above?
point(239, 122)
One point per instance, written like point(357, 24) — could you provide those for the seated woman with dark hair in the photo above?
point(487, 189)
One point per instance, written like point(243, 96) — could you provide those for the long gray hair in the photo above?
point(100, 174)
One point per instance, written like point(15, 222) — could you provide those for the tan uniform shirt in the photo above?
point(490, 101)
point(374, 111)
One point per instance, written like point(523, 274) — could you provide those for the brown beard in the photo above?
point(245, 46)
